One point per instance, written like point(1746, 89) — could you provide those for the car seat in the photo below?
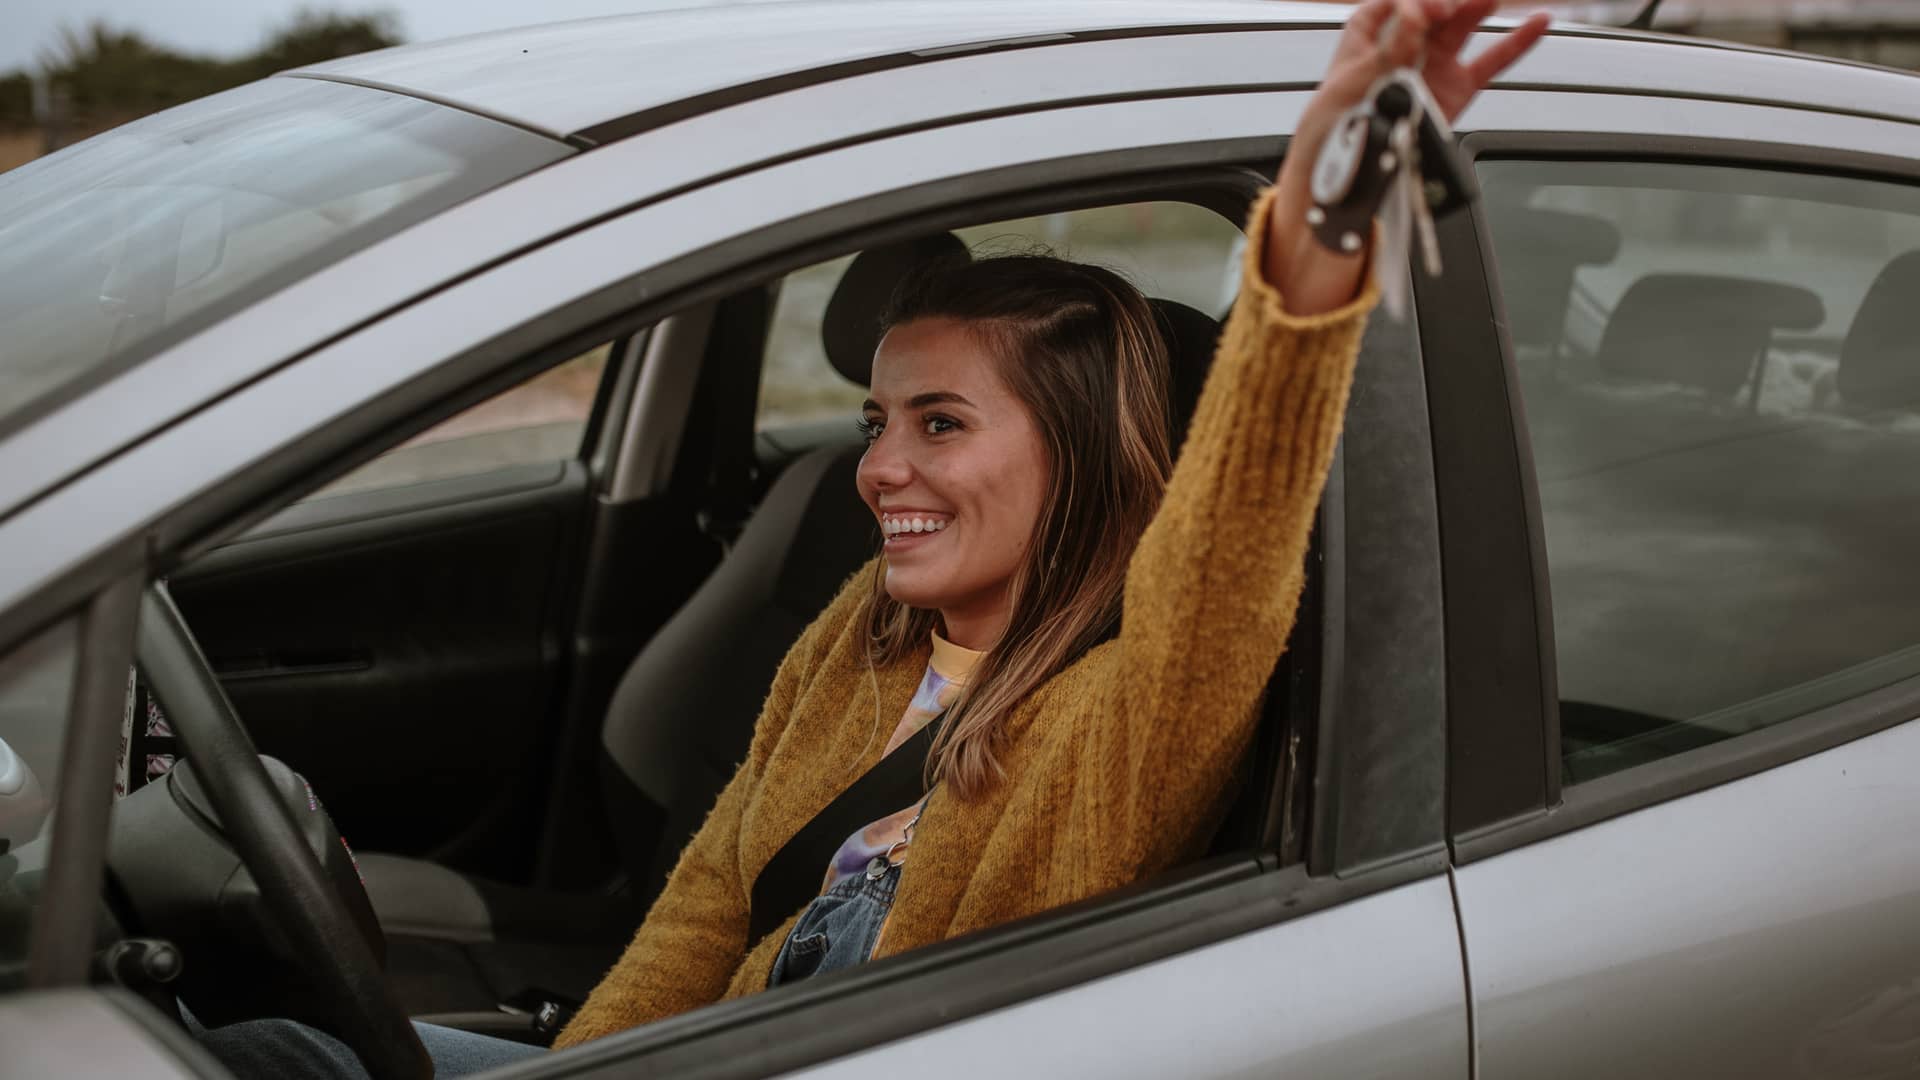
point(1880, 358)
point(683, 714)
point(1702, 330)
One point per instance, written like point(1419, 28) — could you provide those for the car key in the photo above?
point(1390, 157)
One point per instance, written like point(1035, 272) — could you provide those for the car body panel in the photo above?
point(1767, 927)
point(1371, 988)
point(574, 77)
point(564, 78)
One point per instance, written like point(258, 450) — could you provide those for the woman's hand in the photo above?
point(1310, 278)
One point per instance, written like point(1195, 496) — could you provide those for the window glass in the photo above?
point(119, 245)
point(540, 420)
point(1171, 250)
point(36, 689)
point(1721, 373)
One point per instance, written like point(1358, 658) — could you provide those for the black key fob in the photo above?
point(1355, 169)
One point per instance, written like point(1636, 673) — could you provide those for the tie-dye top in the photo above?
point(946, 673)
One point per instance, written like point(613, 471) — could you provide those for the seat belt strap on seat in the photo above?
point(792, 878)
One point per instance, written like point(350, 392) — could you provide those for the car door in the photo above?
point(1684, 684)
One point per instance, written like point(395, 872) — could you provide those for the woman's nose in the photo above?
point(882, 467)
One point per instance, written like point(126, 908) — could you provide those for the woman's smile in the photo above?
point(907, 529)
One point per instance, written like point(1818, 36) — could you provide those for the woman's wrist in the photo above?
point(1310, 278)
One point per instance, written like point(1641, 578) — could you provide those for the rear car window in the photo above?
point(1720, 368)
point(120, 245)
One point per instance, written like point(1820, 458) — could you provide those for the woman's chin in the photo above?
point(912, 587)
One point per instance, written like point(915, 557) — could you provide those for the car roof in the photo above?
point(595, 80)
point(571, 78)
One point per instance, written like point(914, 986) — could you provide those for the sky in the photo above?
point(230, 27)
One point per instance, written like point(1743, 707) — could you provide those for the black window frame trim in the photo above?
point(1590, 802)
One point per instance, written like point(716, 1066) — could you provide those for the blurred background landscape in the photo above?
point(71, 68)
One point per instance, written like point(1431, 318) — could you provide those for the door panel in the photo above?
point(1370, 988)
point(1767, 927)
point(400, 648)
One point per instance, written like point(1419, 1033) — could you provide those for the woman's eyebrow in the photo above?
point(921, 401)
point(936, 397)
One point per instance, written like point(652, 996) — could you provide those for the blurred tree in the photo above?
point(313, 36)
point(105, 71)
point(16, 100)
point(107, 75)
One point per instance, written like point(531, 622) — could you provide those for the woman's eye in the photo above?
point(869, 427)
point(940, 425)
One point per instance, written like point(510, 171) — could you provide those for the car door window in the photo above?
point(1721, 387)
point(540, 420)
point(1171, 250)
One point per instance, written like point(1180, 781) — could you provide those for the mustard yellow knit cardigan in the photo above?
point(1115, 769)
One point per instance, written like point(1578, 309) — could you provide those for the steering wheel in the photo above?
point(318, 925)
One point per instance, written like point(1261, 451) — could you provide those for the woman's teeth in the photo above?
point(898, 526)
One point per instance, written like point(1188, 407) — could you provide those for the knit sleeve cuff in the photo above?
point(1261, 295)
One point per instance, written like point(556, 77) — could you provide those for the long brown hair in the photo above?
point(1078, 345)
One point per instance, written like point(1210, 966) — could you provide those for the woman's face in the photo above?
point(956, 473)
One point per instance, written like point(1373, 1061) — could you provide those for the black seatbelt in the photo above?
point(792, 878)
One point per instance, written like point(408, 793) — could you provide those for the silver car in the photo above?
point(460, 433)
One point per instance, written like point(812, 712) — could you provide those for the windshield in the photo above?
point(129, 241)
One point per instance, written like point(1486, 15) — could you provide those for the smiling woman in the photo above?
point(1031, 395)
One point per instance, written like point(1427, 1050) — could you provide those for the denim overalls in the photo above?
point(841, 926)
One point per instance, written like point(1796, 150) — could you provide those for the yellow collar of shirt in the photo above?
point(953, 662)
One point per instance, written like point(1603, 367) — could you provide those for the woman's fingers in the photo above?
point(1453, 31)
point(1405, 32)
point(1368, 18)
point(1504, 50)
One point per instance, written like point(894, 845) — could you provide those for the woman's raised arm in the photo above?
point(1213, 586)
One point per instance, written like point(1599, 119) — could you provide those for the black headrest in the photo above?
point(1701, 330)
point(1880, 358)
point(1190, 336)
point(850, 327)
